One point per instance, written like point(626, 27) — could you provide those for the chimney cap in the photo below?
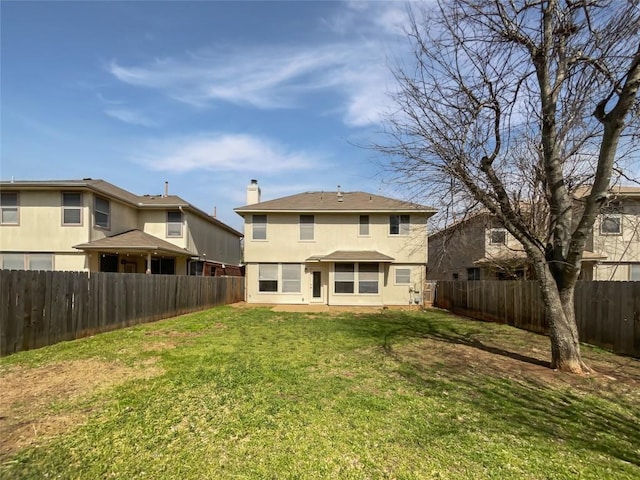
point(254, 181)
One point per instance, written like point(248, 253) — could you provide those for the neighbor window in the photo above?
point(634, 272)
point(101, 212)
point(498, 236)
point(41, 261)
point(291, 278)
point(9, 208)
point(473, 274)
point(71, 208)
point(399, 225)
point(368, 278)
point(344, 278)
point(268, 277)
point(174, 223)
point(611, 224)
point(306, 227)
point(13, 261)
point(403, 276)
point(364, 225)
point(259, 227)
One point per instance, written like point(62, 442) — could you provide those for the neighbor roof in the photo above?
point(335, 202)
point(117, 193)
point(134, 241)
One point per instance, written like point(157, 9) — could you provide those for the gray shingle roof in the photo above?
point(335, 202)
point(134, 240)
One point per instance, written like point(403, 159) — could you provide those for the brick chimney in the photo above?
point(253, 192)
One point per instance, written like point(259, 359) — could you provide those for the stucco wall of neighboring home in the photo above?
point(618, 248)
point(40, 226)
point(154, 222)
point(454, 250)
point(333, 232)
point(389, 292)
point(216, 243)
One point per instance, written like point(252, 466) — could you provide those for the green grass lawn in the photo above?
point(252, 393)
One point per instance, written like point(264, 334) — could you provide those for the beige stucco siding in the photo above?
point(40, 214)
point(334, 232)
point(215, 244)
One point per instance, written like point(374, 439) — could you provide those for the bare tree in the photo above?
point(514, 104)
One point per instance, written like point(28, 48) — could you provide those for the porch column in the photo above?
point(149, 262)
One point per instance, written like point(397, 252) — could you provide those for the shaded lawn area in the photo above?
point(252, 393)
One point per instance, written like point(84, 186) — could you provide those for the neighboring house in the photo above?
point(335, 248)
point(92, 225)
point(479, 248)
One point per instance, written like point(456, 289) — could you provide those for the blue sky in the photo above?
point(204, 95)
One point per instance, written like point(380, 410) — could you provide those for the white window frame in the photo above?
point(268, 272)
point(368, 277)
point(97, 211)
point(498, 230)
point(6, 206)
point(261, 224)
point(67, 208)
point(348, 276)
point(307, 227)
point(406, 273)
point(403, 225)
point(608, 217)
point(172, 224)
point(363, 226)
point(291, 277)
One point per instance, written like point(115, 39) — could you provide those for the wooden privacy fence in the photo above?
point(607, 313)
point(42, 308)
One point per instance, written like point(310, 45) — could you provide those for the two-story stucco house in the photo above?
point(334, 248)
point(93, 225)
point(479, 248)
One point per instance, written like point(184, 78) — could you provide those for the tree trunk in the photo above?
point(563, 330)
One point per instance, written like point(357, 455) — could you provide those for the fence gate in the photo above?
point(429, 292)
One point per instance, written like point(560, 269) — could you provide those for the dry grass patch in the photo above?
point(31, 397)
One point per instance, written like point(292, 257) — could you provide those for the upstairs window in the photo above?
point(71, 208)
point(9, 208)
point(306, 227)
point(102, 212)
point(498, 236)
point(364, 226)
point(259, 227)
point(399, 225)
point(611, 224)
point(174, 223)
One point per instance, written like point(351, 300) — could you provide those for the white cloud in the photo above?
point(223, 152)
point(131, 117)
point(353, 65)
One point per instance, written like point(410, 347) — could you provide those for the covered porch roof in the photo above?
point(135, 241)
point(352, 256)
point(519, 259)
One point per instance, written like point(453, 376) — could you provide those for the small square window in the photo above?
point(403, 276)
point(611, 224)
point(498, 236)
point(399, 225)
point(473, 274)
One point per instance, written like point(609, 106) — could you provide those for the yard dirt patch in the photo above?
point(30, 410)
